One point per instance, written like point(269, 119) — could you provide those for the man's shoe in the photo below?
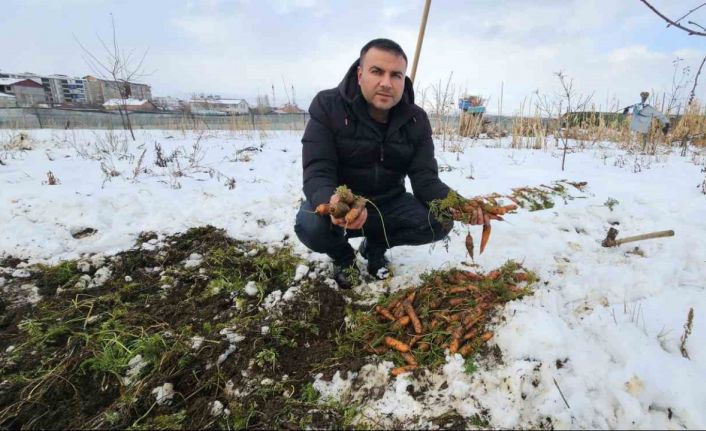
point(377, 262)
point(346, 275)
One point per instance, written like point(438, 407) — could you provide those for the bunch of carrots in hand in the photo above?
point(479, 210)
point(344, 205)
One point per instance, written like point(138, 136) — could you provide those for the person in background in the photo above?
point(642, 115)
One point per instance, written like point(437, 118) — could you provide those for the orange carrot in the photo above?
point(469, 245)
point(424, 346)
point(401, 322)
point(396, 344)
point(492, 275)
point(453, 345)
point(339, 209)
point(323, 209)
point(470, 334)
point(456, 301)
point(380, 350)
point(409, 358)
point(398, 311)
point(486, 336)
point(352, 215)
point(413, 317)
point(401, 370)
point(384, 312)
point(484, 237)
point(411, 296)
point(466, 349)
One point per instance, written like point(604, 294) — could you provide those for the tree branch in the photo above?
point(696, 81)
point(689, 13)
point(677, 25)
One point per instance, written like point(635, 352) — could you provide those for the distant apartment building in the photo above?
point(218, 104)
point(63, 89)
point(58, 89)
point(89, 90)
point(99, 91)
point(27, 92)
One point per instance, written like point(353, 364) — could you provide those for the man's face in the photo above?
point(381, 78)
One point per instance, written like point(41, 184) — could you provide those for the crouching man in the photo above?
point(369, 135)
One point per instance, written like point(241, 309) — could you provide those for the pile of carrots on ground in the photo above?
point(450, 310)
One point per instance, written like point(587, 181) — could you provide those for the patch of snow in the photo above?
point(164, 393)
point(251, 288)
point(193, 261)
point(300, 272)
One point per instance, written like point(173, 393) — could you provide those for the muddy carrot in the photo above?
point(398, 311)
point(412, 295)
point(469, 245)
point(471, 276)
point(352, 215)
point(484, 237)
point(453, 345)
point(401, 322)
point(466, 349)
point(396, 344)
point(414, 340)
point(461, 289)
point(492, 275)
point(424, 346)
point(413, 317)
point(409, 358)
point(520, 276)
point(456, 301)
point(486, 336)
point(384, 312)
point(380, 350)
point(470, 334)
point(401, 370)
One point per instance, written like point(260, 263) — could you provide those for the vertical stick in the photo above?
point(420, 38)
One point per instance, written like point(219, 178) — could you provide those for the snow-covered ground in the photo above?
point(603, 327)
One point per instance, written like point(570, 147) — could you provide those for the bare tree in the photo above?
point(572, 101)
point(119, 67)
point(679, 82)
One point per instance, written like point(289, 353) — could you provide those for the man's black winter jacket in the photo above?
point(342, 145)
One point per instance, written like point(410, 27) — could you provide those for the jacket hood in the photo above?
point(349, 88)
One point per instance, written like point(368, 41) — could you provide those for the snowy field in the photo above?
point(596, 346)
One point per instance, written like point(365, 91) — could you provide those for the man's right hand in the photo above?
point(355, 224)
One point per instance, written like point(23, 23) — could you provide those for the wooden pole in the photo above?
point(420, 38)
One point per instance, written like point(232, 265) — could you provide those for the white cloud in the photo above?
point(635, 53)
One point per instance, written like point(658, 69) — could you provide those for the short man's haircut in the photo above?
point(383, 45)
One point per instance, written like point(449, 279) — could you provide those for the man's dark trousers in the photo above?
point(406, 222)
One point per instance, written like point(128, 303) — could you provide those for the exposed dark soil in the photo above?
point(71, 351)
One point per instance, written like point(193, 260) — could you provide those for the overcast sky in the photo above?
point(612, 49)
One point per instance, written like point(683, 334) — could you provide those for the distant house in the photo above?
point(7, 101)
point(288, 108)
point(27, 92)
point(216, 103)
point(130, 105)
point(168, 103)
